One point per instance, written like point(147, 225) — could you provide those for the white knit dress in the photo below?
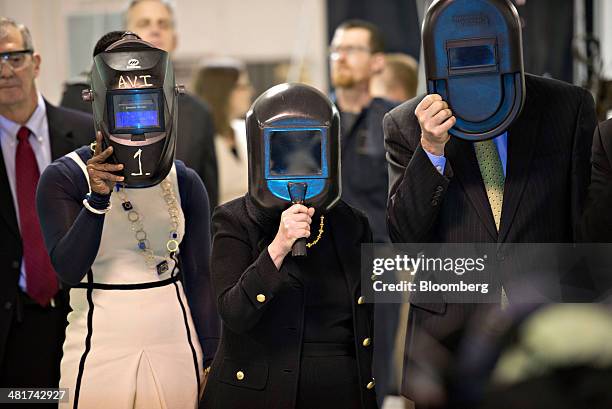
point(130, 341)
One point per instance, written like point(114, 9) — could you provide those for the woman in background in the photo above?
point(224, 85)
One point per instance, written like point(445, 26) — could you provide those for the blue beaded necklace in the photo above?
point(135, 219)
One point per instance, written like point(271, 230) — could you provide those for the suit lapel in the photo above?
point(60, 134)
point(522, 136)
point(463, 160)
point(7, 206)
point(61, 143)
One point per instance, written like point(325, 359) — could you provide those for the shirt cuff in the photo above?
point(439, 162)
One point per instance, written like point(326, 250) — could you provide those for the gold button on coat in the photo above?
point(371, 384)
point(361, 300)
point(261, 298)
point(366, 342)
point(240, 375)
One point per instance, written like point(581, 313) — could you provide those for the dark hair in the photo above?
point(109, 38)
point(377, 44)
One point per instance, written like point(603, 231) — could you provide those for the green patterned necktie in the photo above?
point(493, 177)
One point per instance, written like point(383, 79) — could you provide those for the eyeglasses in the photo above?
point(15, 59)
point(334, 52)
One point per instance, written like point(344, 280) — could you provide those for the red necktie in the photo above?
point(41, 281)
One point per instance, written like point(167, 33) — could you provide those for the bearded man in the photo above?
point(356, 55)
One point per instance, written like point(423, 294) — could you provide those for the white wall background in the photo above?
point(603, 26)
point(254, 31)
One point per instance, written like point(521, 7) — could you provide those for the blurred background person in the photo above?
point(596, 223)
point(528, 357)
point(153, 21)
point(398, 80)
point(32, 134)
point(224, 84)
point(356, 55)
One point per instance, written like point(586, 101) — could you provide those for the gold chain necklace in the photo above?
point(315, 241)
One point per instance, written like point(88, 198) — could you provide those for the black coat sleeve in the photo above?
point(583, 141)
point(596, 223)
point(66, 224)
point(243, 287)
point(413, 180)
point(195, 260)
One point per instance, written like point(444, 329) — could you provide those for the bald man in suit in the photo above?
point(33, 305)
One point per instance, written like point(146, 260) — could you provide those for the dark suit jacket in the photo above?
point(264, 339)
point(547, 177)
point(195, 146)
point(196, 143)
point(597, 218)
point(596, 226)
point(364, 169)
point(68, 130)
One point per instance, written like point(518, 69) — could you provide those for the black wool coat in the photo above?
point(262, 308)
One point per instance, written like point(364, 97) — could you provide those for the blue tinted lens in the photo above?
point(471, 56)
point(134, 111)
point(136, 119)
point(295, 153)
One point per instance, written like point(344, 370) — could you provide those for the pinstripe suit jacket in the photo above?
point(547, 177)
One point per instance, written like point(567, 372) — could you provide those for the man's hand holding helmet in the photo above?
point(435, 119)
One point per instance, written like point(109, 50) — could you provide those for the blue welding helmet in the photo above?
point(293, 139)
point(474, 60)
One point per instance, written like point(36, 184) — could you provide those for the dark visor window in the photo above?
point(471, 56)
point(295, 153)
point(134, 112)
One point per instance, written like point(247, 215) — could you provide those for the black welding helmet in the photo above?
point(293, 137)
point(474, 60)
point(134, 100)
